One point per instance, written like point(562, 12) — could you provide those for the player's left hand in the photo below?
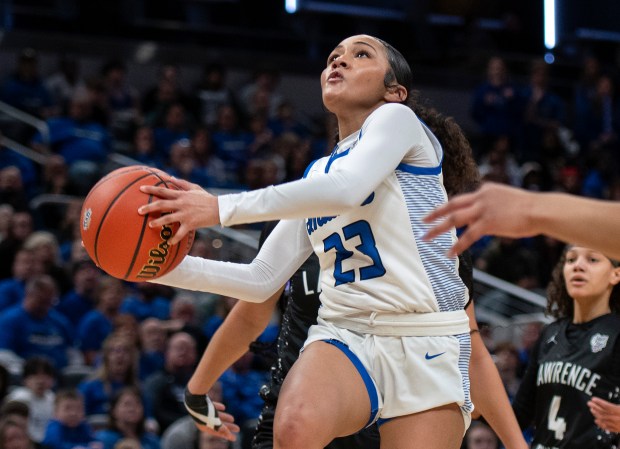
point(606, 414)
point(209, 416)
point(192, 207)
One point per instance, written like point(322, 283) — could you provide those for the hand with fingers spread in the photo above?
point(606, 414)
point(493, 209)
point(496, 209)
point(193, 207)
point(209, 416)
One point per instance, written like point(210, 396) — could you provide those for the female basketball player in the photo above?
point(572, 384)
point(392, 342)
point(300, 307)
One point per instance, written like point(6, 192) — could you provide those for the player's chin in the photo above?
point(332, 98)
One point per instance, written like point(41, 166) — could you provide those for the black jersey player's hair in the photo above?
point(559, 303)
point(460, 172)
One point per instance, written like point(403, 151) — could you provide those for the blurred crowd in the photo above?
point(89, 361)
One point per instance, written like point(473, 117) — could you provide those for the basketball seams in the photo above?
point(107, 211)
point(109, 208)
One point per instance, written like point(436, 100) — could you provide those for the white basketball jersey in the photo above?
point(372, 256)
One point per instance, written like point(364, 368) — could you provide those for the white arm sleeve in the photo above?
point(286, 248)
point(389, 133)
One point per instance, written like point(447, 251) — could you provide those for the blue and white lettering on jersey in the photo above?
point(373, 256)
point(366, 202)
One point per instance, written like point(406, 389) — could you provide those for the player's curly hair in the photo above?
point(460, 171)
point(559, 302)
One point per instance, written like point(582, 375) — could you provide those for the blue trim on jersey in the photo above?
point(335, 156)
point(370, 386)
point(309, 167)
point(419, 170)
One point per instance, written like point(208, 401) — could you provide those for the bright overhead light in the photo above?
point(550, 31)
point(291, 6)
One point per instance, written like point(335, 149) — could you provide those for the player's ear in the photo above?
point(396, 94)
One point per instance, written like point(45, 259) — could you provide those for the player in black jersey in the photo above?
point(572, 383)
point(299, 305)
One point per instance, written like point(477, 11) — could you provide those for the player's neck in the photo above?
point(584, 313)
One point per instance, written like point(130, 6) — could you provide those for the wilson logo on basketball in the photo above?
point(86, 220)
point(157, 255)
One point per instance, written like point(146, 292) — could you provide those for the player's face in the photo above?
point(354, 75)
point(588, 274)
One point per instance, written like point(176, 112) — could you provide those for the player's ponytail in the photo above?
point(460, 171)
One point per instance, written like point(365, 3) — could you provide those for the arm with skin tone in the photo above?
point(496, 209)
point(606, 414)
point(242, 326)
point(488, 393)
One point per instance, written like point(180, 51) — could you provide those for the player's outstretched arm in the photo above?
point(496, 209)
point(245, 322)
point(488, 393)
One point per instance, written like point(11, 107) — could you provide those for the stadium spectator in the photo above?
point(143, 149)
point(152, 336)
point(25, 89)
point(13, 435)
point(122, 100)
point(213, 93)
point(182, 163)
point(117, 370)
point(69, 428)
point(38, 379)
point(46, 251)
point(543, 111)
point(81, 141)
point(12, 188)
point(97, 324)
point(495, 104)
point(81, 299)
point(65, 81)
point(480, 436)
point(13, 289)
point(127, 420)
point(34, 328)
point(212, 166)
point(176, 125)
point(156, 100)
point(164, 390)
point(184, 318)
point(231, 142)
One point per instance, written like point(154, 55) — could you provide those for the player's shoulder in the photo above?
point(610, 322)
point(392, 110)
point(390, 117)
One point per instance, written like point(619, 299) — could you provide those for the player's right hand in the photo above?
point(210, 417)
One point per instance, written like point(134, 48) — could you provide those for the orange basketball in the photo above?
point(117, 238)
